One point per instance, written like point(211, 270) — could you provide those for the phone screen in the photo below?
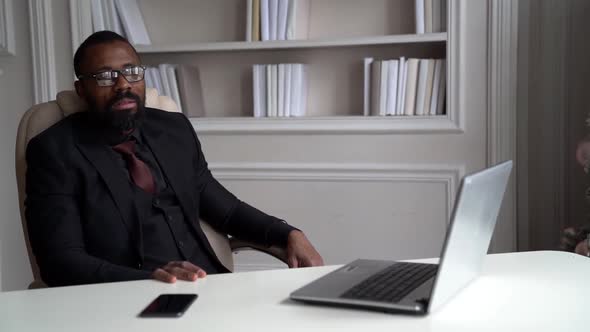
point(169, 305)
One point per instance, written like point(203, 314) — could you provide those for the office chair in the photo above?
point(42, 116)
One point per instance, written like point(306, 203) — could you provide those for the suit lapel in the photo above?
point(101, 157)
point(173, 166)
point(175, 169)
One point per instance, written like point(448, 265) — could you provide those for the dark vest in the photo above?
point(166, 234)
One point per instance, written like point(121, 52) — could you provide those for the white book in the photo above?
point(149, 81)
point(98, 20)
point(303, 104)
point(275, 93)
point(288, 83)
point(281, 90)
point(383, 86)
point(299, 88)
point(442, 89)
point(428, 16)
point(259, 90)
point(421, 89)
point(249, 16)
point(108, 21)
point(298, 19)
point(264, 20)
point(155, 73)
point(375, 86)
point(282, 19)
point(273, 17)
point(133, 23)
point(296, 77)
point(173, 82)
point(435, 86)
point(164, 77)
point(392, 79)
point(436, 15)
point(443, 12)
point(268, 70)
point(367, 86)
point(401, 83)
point(115, 19)
point(429, 87)
point(411, 85)
point(420, 16)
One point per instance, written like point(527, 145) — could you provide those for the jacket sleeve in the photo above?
point(225, 212)
point(54, 223)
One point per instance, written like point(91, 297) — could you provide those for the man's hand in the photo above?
point(582, 248)
point(179, 270)
point(300, 252)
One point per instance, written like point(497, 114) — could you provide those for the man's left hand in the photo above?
point(300, 252)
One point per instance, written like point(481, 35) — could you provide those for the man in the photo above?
point(116, 193)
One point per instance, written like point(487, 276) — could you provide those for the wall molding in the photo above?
point(449, 175)
point(502, 101)
point(44, 68)
point(7, 46)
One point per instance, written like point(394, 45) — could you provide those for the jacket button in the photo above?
point(139, 265)
point(169, 218)
point(180, 244)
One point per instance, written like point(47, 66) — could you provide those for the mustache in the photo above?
point(120, 96)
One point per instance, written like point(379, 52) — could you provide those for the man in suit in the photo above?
point(116, 193)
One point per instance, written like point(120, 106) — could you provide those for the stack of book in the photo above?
point(431, 16)
point(277, 20)
point(404, 87)
point(122, 17)
point(182, 83)
point(280, 90)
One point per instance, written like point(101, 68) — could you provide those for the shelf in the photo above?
point(327, 125)
point(295, 44)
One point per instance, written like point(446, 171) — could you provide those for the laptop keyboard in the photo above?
point(393, 283)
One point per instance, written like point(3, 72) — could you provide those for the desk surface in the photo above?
point(544, 290)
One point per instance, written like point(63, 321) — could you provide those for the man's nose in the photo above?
point(121, 83)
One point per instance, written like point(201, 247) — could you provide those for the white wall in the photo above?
point(16, 96)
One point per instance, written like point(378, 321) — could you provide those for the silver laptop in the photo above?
point(417, 288)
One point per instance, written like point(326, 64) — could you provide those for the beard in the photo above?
point(116, 125)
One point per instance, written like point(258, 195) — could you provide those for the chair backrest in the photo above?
point(42, 116)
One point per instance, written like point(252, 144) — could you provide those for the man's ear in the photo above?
point(80, 89)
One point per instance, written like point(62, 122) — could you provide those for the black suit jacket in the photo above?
point(83, 224)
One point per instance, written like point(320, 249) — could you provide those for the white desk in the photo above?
point(547, 291)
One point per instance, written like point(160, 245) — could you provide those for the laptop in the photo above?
point(417, 288)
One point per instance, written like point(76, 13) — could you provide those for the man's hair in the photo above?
point(100, 37)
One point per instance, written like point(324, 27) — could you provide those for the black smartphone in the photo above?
point(169, 305)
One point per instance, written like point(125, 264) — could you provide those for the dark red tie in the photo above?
point(139, 171)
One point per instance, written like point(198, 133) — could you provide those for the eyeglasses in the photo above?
point(109, 77)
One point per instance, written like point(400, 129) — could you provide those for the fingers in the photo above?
point(179, 270)
point(163, 276)
point(292, 262)
point(300, 252)
point(193, 268)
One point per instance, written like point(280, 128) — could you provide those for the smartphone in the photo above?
point(169, 305)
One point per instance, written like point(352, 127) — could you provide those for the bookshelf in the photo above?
point(440, 37)
point(389, 179)
point(210, 36)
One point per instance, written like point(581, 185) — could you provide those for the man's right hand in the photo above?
point(179, 270)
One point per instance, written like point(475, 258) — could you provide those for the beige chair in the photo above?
point(42, 116)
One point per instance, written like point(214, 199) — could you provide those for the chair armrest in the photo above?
point(238, 245)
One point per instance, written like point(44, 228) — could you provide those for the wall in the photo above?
point(16, 93)
point(17, 96)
